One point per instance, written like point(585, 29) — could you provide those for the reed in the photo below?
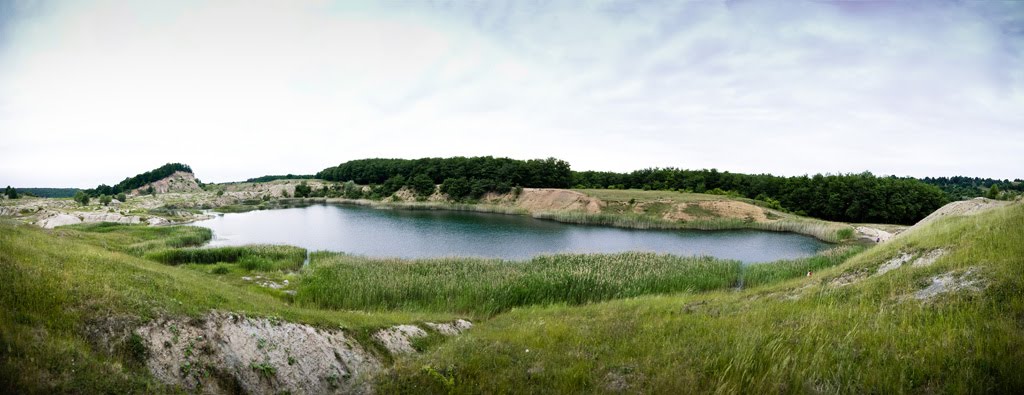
point(251, 257)
point(487, 286)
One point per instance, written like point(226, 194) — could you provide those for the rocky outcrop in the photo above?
point(227, 353)
point(61, 219)
point(178, 182)
point(231, 353)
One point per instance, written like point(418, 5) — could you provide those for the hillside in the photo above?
point(935, 310)
point(177, 182)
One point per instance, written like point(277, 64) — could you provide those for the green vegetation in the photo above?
point(252, 257)
point(48, 192)
point(803, 335)
point(121, 197)
point(105, 200)
point(137, 239)
point(759, 274)
point(82, 198)
point(484, 286)
point(284, 177)
point(484, 174)
point(848, 197)
point(11, 193)
point(962, 188)
point(993, 192)
point(303, 190)
point(61, 285)
point(631, 322)
point(139, 180)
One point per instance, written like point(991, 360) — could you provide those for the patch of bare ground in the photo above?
point(710, 209)
point(398, 339)
point(915, 259)
point(873, 234)
point(969, 280)
point(963, 207)
point(849, 277)
point(548, 199)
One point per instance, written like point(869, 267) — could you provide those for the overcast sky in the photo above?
point(94, 91)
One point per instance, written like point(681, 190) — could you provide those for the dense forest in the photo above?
point(960, 188)
point(460, 177)
point(847, 197)
point(48, 192)
point(284, 177)
point(131, 183)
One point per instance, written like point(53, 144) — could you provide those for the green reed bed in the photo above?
point(137, 239)
point(486, 286)
point(250, 257)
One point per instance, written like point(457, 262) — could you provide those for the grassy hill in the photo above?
point(938, 309)
point(845, 329)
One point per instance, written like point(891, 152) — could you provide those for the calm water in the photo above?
point(418, 234)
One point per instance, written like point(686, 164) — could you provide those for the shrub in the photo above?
point(82, 198)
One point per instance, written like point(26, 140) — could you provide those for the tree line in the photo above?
point(960, 188)
point(139, 180)
point(459, 177)
point(270, 178)
point(842, 197)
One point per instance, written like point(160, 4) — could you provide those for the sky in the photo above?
point(95, 91)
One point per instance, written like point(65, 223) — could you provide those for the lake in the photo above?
point(425, 234)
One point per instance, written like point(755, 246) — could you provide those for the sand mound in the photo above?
point(545, 199)
point(963, 207)
point(712, 209)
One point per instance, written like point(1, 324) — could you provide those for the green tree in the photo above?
point(121, 197)
point(993, 192)
point(455, 188)
point(11, 192)
point(351, 190)
point(302, 190)
point(392, 185)
point(422, 184)
point(105, 199)
point(82, 198)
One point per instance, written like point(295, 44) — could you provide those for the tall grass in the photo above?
point(251, 257)
point(759, 274)
point(138, 239)
point(487, 287)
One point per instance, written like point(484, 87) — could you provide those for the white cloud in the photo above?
point(93, 92)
